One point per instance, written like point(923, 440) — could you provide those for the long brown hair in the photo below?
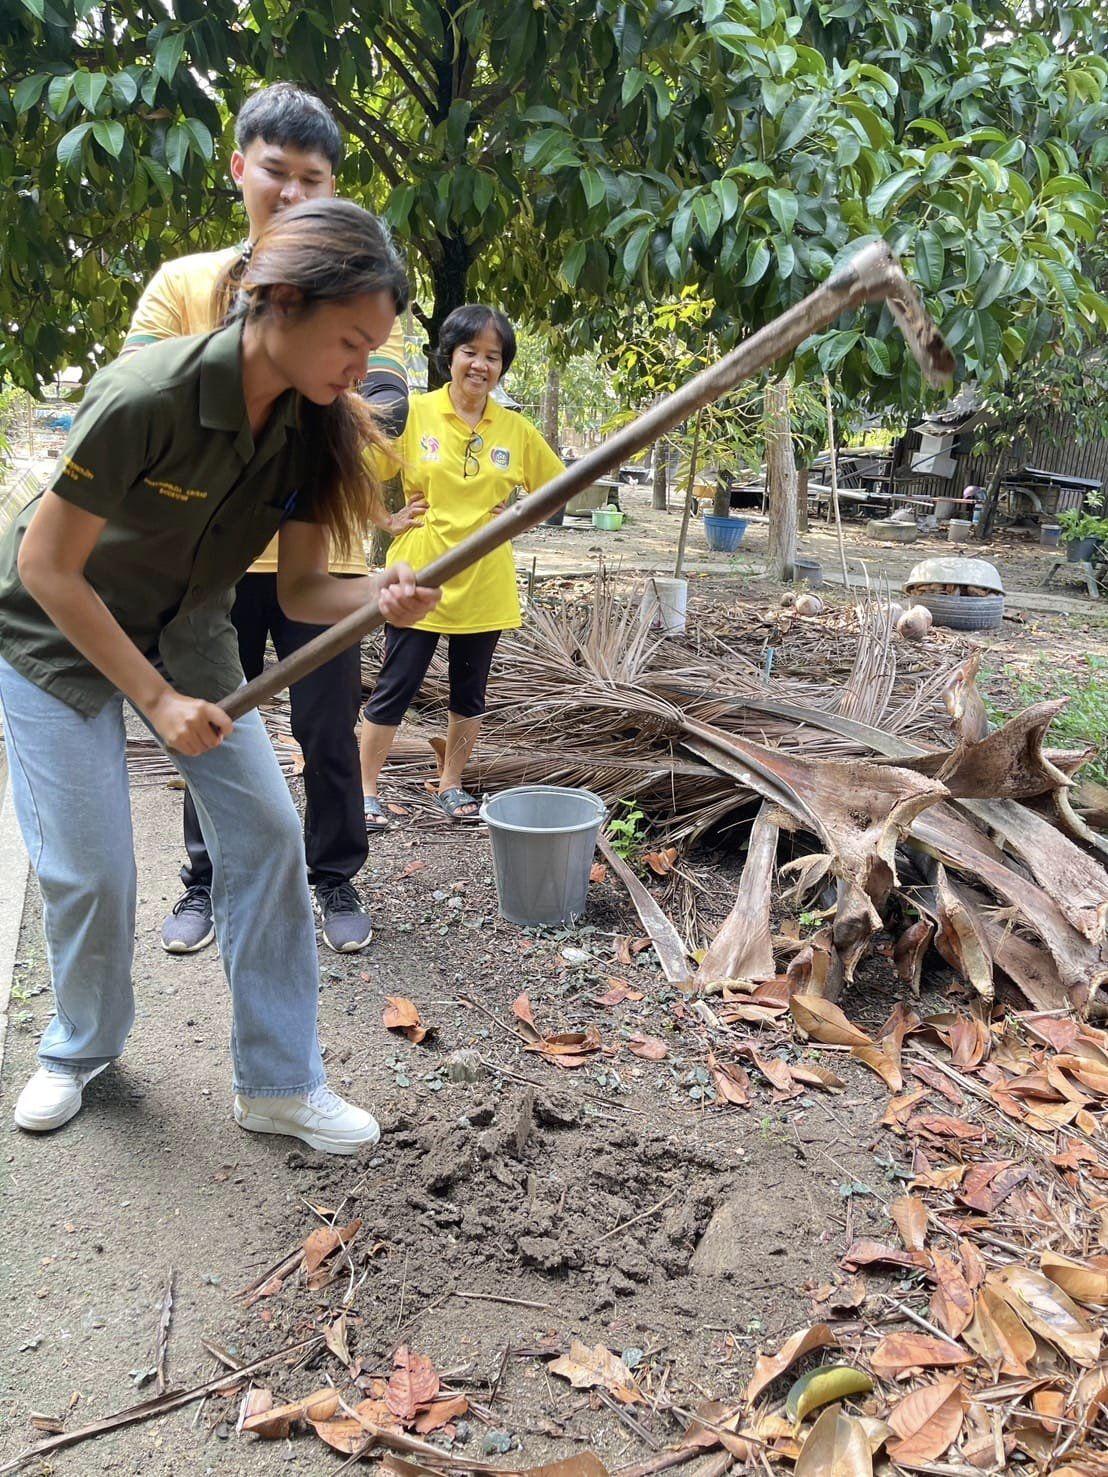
point(330, 250)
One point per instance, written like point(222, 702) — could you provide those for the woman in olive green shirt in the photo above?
point(116, 584)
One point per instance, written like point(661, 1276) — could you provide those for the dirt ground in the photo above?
point(516, 1211)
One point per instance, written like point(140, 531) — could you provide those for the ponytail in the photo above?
point(330, 250)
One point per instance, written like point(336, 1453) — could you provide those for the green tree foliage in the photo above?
point(570, 159)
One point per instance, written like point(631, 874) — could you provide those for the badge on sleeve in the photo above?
point(500, 457)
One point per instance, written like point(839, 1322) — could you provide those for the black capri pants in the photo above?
point(408, 654)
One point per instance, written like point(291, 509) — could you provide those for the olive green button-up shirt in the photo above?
point(161, 448)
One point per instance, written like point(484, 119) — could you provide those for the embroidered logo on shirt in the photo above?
point(177, 493)
point(429, 446)
point(500, 457)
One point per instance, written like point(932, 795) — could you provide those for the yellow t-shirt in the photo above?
point(178, 301)
point(505, 451)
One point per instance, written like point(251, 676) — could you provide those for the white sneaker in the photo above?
point(52, 1098)
point(321, 1118)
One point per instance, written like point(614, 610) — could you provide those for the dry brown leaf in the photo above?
point(824, 1021)
point(1047, 1311)
point(946, 1177)
point(399, 1012)
point(413, 1383)
point(816, 1076)
point(586, 1368)
point(927, 1422)
point(898, 1352)
point(969, 1042)
point(1049, 1405)
point(836, 1446)
point(715, 1424)
point(661, 862)
point(910, 1215)
point(939, 1081)
point(952, 1300)
point(867, 1253)
point(327, 1239)
point(986, 1185)
point(648, 1047)
point(335, 1338)
point(619, 992)
point(882, 1060)
point(776, 1072)
point(440, 1413)
point(1085, 1282)
point(768, 1367)
point(568, 1049)
point(521, 1009)
point(731, 1082)
point(940, 1125)
point(597, 872)
point(900, 1109)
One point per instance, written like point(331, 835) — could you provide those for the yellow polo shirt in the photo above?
point(178, 301)
point(505, 451)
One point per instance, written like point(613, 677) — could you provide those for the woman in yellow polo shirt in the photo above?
point(464, 455)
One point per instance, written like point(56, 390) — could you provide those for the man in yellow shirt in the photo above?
point(289, 147)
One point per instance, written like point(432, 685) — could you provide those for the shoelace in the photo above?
point(341, 898)
point(196, 900)
point(325, 1100)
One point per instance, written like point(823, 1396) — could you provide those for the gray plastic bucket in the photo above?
point(543, 842)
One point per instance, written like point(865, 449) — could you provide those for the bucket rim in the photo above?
point(495, 824)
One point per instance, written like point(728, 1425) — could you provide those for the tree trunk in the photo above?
point(780, 483)
point(992, 498)
point(393, 493)
point(448, 278)
point(661, 475)
point(721, 498)
point(551, 405)
point(802, 499)
point(694, 454)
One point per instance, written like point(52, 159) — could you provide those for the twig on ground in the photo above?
point(149, 1409)
point(644, 1215)
point(161, 1347)
point(628, 1419)
point(496, 1297)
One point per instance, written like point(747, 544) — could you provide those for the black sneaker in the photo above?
point(189, 928)
point(347, 927)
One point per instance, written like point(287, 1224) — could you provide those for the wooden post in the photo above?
point(780, 483)
point(802, 499)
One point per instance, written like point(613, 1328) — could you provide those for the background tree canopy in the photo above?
point(573, 161)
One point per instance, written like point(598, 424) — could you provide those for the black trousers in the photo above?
point(408, 654)
point(324, 711)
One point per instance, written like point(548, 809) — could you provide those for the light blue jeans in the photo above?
point(69, 784)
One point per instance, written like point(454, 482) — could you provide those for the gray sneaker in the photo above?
point(189, 928)
point(347, 927)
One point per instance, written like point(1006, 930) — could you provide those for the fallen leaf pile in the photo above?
point(997, 1247)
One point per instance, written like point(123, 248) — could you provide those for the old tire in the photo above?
point(964, 612)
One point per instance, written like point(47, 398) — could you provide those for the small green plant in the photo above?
point(808, 919)
point(626, 829)
point(1077, 524)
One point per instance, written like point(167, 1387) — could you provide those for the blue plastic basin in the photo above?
point(724, 534)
